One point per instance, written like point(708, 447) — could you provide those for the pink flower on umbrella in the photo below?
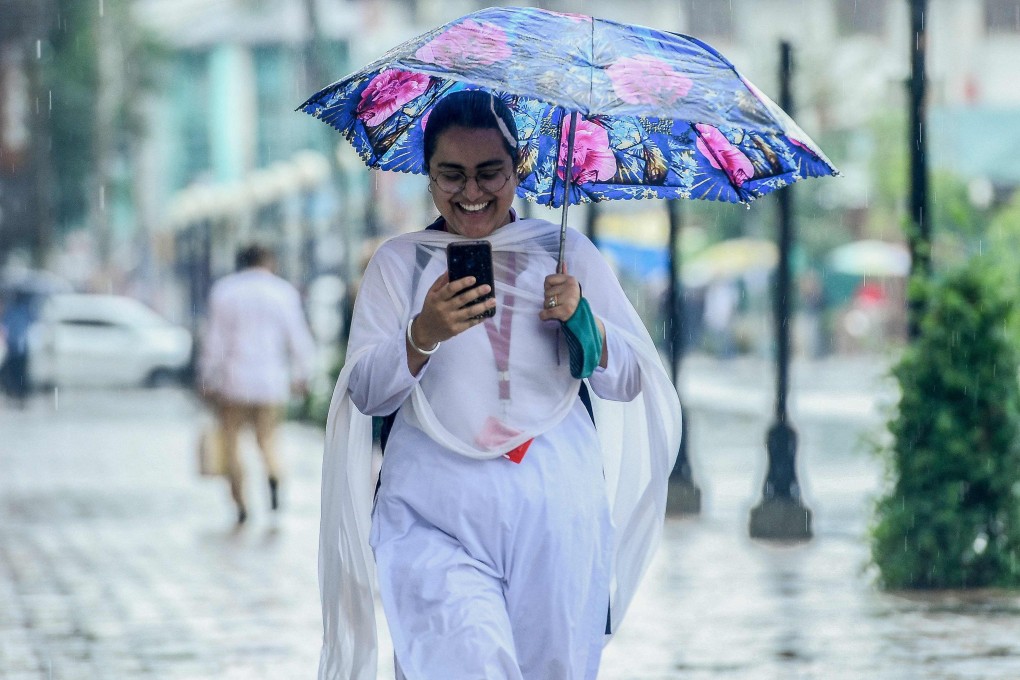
point(714, 146)
point(470, 43)
point(646, 80)
point(593, 159)
point(387, 92)
point(797, 142)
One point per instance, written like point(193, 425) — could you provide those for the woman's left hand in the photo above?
point(562, 295)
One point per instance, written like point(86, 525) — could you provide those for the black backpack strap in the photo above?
point(582, 393)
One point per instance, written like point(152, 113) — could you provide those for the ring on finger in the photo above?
point(550, 302)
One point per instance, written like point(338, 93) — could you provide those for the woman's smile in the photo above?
point(467, 154)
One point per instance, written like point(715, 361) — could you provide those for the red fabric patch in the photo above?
point(518, 454)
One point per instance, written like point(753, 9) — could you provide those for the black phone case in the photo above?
point(472, 258)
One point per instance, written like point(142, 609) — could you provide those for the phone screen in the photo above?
point(472, 258)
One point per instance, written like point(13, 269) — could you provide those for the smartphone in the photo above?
point(472, 258)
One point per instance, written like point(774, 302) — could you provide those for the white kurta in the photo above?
point(488, 568)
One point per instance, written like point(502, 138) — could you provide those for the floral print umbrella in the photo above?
point(657, 114)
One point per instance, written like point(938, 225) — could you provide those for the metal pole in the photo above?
point(108, 72)
point(919, 236)
point(591, 219)
point(568, 176)
point(684, 495)
point(781, 514)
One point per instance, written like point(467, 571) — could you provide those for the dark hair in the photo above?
point(253, 255)
point(470, 109)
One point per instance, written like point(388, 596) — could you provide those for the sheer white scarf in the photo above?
point(461, 410)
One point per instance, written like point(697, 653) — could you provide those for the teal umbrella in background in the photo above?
point(870, 258)
point(848, 265)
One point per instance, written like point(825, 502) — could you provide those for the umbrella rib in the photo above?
point(591, 69)
point(736, 187)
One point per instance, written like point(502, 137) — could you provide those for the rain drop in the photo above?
point(38, 49)
point(101, 8)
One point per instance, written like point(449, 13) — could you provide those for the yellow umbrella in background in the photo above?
point(636, 239)
point(730, 259)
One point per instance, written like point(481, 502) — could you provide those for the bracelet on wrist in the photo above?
point(414, 346)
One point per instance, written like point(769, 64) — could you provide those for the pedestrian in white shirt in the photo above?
point(257, 352)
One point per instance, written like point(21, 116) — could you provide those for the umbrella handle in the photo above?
point(569, 176)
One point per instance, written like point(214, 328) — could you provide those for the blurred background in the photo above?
point(142, 141)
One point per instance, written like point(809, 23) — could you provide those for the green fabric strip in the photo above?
point(584, 342)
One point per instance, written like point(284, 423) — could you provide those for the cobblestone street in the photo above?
point(117, 561)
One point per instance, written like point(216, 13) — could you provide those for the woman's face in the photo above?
point(478, 155)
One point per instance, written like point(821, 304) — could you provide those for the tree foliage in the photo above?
point(952, 517)
point(71, 83)
point(71, 80)
point(1002, 242)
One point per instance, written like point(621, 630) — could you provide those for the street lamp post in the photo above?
point(684, 495)
point(781, 514)
point(919, 236)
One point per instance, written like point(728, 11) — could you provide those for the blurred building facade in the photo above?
point(225, 158)
point(232, 111)
point(24, 219)
point(232, 161)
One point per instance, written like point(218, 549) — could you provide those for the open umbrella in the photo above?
point(641, 113)
point(730, 259)
point(870, 258)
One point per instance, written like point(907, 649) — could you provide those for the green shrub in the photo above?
point(952, 516)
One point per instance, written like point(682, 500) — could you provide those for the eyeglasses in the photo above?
point(489, 181)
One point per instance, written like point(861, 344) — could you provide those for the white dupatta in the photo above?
point(639, 439)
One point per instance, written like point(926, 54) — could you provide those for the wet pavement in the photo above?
point(118, 561)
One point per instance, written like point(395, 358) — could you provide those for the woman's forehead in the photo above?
point(470, 148)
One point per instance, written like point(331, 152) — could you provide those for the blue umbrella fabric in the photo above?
point(657, 114)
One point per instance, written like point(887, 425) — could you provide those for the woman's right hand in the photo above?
point(443, 314)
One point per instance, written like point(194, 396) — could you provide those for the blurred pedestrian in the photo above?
point(721, 300)
point(509, 533)
point(257, 351)
point(16, 323)
point(812, 300)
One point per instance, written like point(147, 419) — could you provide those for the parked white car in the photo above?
point(105, 341)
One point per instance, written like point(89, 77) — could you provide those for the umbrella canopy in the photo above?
point(648, 114)
point(870, 258)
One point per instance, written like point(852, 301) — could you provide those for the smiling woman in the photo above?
point(482, 571)
point(472, 181)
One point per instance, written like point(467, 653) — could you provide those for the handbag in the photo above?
point(212, 460)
